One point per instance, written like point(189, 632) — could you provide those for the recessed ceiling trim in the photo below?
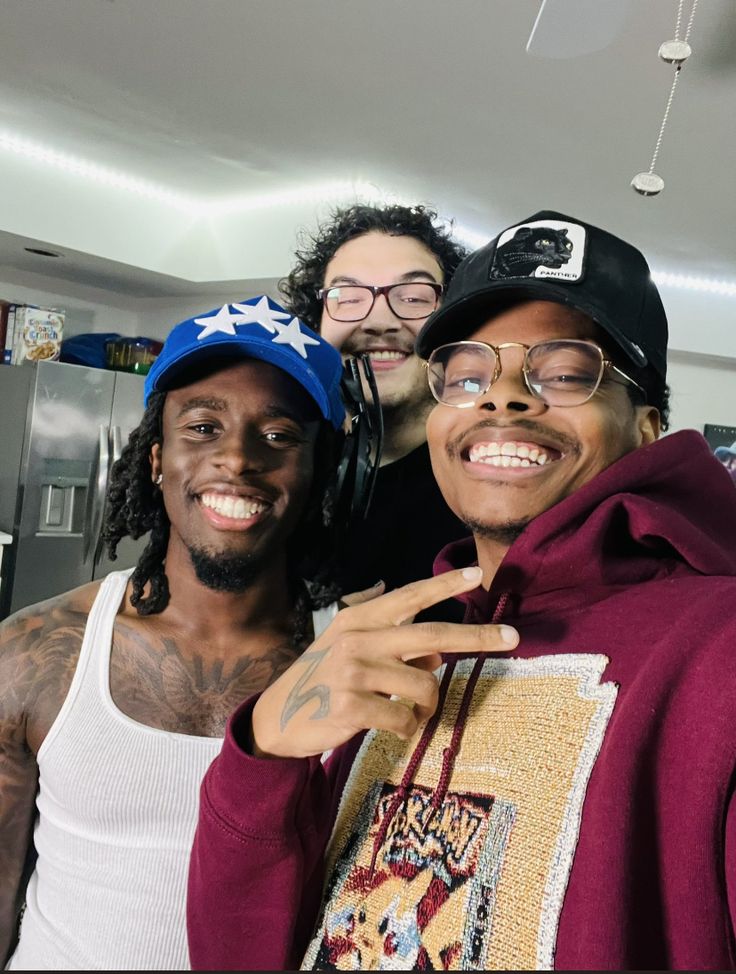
point(327, 191)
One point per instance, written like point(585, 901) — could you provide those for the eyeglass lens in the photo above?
point(354, 302)
point(561, 373)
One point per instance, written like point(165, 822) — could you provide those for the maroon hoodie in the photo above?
point(569, 805)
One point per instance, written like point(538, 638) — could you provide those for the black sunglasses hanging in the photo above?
point(361, 450)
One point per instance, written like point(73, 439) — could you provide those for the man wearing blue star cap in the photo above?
point(114, 697)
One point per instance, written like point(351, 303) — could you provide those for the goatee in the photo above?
point(503, 533)
point(225, 573)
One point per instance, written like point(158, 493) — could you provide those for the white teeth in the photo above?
point(507, 454)
point(238, 508)
point(387, 356)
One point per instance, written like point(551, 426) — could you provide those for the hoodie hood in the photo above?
point(665, 509)
point(662, 509)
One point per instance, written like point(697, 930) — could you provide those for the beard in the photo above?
point(224, 572)
point(505, 534)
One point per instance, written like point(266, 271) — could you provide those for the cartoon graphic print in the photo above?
point(543, 249)
point(424, 863)
point(477, 884)
point(531, 247)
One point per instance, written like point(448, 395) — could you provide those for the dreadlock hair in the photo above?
point(308, 275)
point(135, 506)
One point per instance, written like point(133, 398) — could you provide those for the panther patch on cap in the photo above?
point(543, 248)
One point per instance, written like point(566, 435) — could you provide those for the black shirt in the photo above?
point(407, 525)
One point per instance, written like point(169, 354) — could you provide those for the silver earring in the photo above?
point(159, 480)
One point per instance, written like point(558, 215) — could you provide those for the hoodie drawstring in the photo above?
point(448, 755)
point(414, 761)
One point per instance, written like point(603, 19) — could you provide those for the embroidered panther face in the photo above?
point(529, 248)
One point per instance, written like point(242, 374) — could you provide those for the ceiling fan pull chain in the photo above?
point(671, 52)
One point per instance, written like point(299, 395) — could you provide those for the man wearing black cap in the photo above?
point(571, 804)
point(114, 697)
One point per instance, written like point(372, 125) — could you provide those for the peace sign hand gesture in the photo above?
point(371, 668)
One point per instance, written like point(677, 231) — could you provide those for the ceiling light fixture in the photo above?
point(471, 238)
point(675, 52)
point(316, 193)
point(91, 171)
point(323, 192)
point(691, 282)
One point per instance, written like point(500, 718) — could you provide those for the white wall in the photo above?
point(703, 391)
point(87, 309)
point(90, 309)
point(157, 316)
point(700, 322)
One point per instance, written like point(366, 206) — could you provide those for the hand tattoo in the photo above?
point(296, 699)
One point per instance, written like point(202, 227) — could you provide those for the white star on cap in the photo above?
point(292, 335)
point(262, 314)
point(223, 321)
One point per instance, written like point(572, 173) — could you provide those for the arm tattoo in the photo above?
point(296, 699)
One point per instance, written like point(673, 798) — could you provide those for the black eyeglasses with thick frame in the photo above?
point(536, 387)
point(389, 291)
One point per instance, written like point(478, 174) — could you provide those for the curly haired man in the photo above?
point(367, 280)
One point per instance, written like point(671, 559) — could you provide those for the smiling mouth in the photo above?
point(511, 453)
point(233, 508)
point(384, 359)
point(387, 355)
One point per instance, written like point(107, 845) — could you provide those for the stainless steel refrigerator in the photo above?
point(61, 428)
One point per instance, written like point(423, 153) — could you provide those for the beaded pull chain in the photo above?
point(675, 52)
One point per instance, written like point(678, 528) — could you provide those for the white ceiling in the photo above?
point(435, 102)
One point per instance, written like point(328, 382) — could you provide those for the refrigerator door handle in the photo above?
point(117, 449)
point(100, 488)
point(117, 444)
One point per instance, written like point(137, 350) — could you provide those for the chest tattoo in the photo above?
point(157, 682)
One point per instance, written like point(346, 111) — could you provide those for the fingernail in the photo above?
point(473, 574)
point(509, 635)
point(377, 584)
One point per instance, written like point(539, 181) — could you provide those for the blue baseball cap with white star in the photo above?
point(258, 328)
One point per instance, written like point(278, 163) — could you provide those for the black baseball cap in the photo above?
point(554, 257)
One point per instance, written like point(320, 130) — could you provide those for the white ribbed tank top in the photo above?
point(117, 810)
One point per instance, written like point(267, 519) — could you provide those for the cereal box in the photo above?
point(38, 334)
